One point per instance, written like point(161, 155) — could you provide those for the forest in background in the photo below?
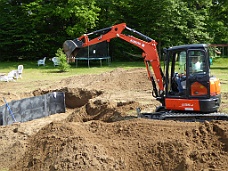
point(31, 29)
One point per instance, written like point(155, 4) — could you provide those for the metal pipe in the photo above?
point(10, 111)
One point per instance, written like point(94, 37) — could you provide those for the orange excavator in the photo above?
point(185, 88)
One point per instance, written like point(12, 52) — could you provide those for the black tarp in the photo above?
point(32, 108)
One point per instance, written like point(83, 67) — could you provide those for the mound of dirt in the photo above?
point(101, 131)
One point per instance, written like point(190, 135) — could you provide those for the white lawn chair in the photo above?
point(4, 78)
point(10, 76)
point(20, 70)
point(41, 61)
point(55, 61)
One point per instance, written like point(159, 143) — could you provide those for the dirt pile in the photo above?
point(135, 144)
point(101, 131)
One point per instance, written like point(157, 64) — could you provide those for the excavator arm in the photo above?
point(148, 45)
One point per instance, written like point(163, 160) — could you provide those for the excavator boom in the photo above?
point(148, 45)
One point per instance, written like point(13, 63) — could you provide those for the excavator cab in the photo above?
point(189, 86)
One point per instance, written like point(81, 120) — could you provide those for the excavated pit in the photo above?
point(88, 106)
point(74, 97)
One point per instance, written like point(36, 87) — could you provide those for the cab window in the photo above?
point(196, 61)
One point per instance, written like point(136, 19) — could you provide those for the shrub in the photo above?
point(63, 65)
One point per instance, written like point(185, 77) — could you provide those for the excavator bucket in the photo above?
point(71, 47)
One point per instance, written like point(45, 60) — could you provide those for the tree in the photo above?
point(218, 21)
point(15, 39)
point(38, 28)
point(169, 22)
point(57, 20)
point(33, 29)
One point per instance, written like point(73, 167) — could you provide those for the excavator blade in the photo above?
point(71, 47)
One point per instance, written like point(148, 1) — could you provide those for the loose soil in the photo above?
point(100, 130)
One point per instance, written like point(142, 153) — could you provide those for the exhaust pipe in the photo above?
point(71, 47)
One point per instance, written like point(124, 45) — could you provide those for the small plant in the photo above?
point(63, 65)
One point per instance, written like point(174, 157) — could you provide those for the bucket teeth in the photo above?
point(71, 47)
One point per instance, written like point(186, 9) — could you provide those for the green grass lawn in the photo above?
point(32, 72)
point(219, 68)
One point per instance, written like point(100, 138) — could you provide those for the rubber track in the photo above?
point(184, 116)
